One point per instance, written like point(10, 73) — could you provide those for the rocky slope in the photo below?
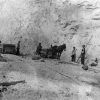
point(74, 22)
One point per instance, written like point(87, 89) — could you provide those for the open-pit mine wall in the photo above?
point(74, 22)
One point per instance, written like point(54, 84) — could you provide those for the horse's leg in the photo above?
point(56, 55)
point(52, 54)
point(59, 55)
point(46, 56)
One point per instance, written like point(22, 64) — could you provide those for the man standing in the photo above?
point(83, 55)
point(39, 48)
point(18, 48)
point(73, 55)
point(1, 48)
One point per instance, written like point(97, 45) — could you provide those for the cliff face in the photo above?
point(74, 22)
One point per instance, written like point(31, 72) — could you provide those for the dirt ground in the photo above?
point(48, 80)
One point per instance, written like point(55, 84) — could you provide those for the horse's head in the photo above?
point(64, 47)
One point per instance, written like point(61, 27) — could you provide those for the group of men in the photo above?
point(73, 56)
point(82, 55)
point(39, 48)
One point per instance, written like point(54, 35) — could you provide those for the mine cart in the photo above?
point(1, 48)
point(8, 49)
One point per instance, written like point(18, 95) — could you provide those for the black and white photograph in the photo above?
point(49, 49)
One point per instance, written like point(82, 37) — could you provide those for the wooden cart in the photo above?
point(7, 48)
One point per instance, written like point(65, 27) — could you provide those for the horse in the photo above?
point(54, 52)
point(60, 50)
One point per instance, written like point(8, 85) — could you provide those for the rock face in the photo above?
point(74, 22)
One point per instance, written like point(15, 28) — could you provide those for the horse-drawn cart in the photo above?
point(46, 53)
point(54, 52)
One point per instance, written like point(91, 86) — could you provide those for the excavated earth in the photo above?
point(47, 79)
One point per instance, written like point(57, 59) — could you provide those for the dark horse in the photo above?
point(54, 52)
point(60, 50)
